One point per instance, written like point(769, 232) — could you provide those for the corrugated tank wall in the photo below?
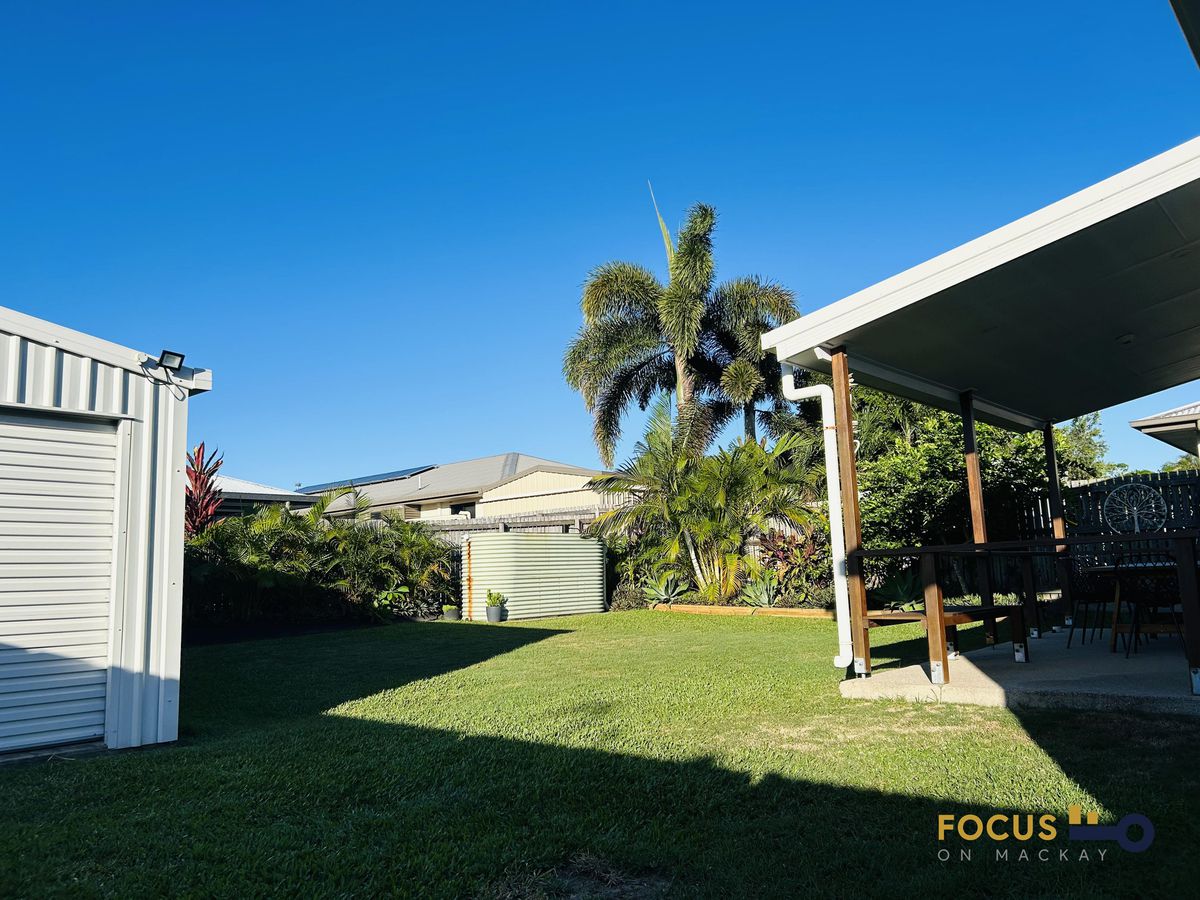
point(146, 617)
point(540, 574)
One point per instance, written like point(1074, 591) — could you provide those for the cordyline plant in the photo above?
point(203, 495)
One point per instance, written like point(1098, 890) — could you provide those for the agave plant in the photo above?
point(762, 589)
point(663, 587)
point(203, 497)
point(902, 590)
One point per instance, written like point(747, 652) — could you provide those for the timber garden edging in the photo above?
point(703, 610)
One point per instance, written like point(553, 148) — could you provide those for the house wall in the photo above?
point(435, 511)
point(540, 492)
point(38, 372)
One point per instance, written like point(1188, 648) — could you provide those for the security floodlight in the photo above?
point(170, 360)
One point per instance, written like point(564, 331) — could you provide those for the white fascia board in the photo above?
point(1167, 420)
point(52, 335)
point(1165, 427)
point(1123, 191)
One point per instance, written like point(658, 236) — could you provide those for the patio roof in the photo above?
point(1084, 304)
point(1179, 427)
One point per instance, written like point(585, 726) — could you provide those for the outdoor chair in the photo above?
point(1149, 588)
point(1091, 590)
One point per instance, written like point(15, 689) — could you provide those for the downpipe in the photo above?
point(833, 480)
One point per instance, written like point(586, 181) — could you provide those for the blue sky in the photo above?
point(372, 222)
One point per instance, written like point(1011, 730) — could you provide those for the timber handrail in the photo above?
point(1028, 544)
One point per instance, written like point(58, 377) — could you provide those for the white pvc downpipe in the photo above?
point(833, 481)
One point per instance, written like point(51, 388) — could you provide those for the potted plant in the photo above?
point(451, 612)
point(495, 606)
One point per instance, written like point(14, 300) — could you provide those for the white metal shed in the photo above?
point(540, 574)
point(93, 438)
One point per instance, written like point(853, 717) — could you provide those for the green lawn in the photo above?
point(630, 754)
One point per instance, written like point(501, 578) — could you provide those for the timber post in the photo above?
point(851, 515)
point(983, 561)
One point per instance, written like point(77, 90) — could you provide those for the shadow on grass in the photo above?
point(332, 805)
point(345, 807)
point(229, 688)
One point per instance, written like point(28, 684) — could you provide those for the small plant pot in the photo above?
point(454, 615)
point(495, 613)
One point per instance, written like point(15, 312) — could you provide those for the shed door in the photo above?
point(57, 515)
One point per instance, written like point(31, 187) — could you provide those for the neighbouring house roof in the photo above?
point(1179, 427)
point(240, 489)
point(466, 480)
point(364, 479)
point(1084, 304)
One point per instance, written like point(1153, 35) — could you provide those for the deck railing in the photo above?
point(1064, 552)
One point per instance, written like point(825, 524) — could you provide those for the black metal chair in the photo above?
point(1148, 587)
point(1092, 587)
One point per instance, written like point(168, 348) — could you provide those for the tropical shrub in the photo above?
point(203, 497)
point(803, 563)
point(627, 595)
point(695, 516)
point(295, 568)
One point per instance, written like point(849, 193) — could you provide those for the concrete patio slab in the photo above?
point(1086, 676)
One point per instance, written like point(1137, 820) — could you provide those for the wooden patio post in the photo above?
point(1057, 519)
point(1184, 551)
point(935, 621)
point(983, 565)
point(851, 516)
point(1058, 522)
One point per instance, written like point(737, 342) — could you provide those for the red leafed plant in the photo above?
point(203, 495)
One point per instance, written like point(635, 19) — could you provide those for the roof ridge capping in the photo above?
point(77, 343)
point(1124, 190)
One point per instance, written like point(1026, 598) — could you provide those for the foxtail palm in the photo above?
point(639, 335)
point(641, 338)
point(739, 370)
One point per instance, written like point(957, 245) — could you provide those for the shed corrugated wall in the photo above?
point(540, 574)
point(146, 605)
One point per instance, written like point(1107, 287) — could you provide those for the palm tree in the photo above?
point(737, 368)
point(641, 339)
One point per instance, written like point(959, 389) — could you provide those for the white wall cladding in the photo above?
point(52, 371)
point(540, 574)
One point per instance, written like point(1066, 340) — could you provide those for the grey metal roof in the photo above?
point(467, 479)
point(241, 489)
point(1189, 410)
point(1179, 427)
